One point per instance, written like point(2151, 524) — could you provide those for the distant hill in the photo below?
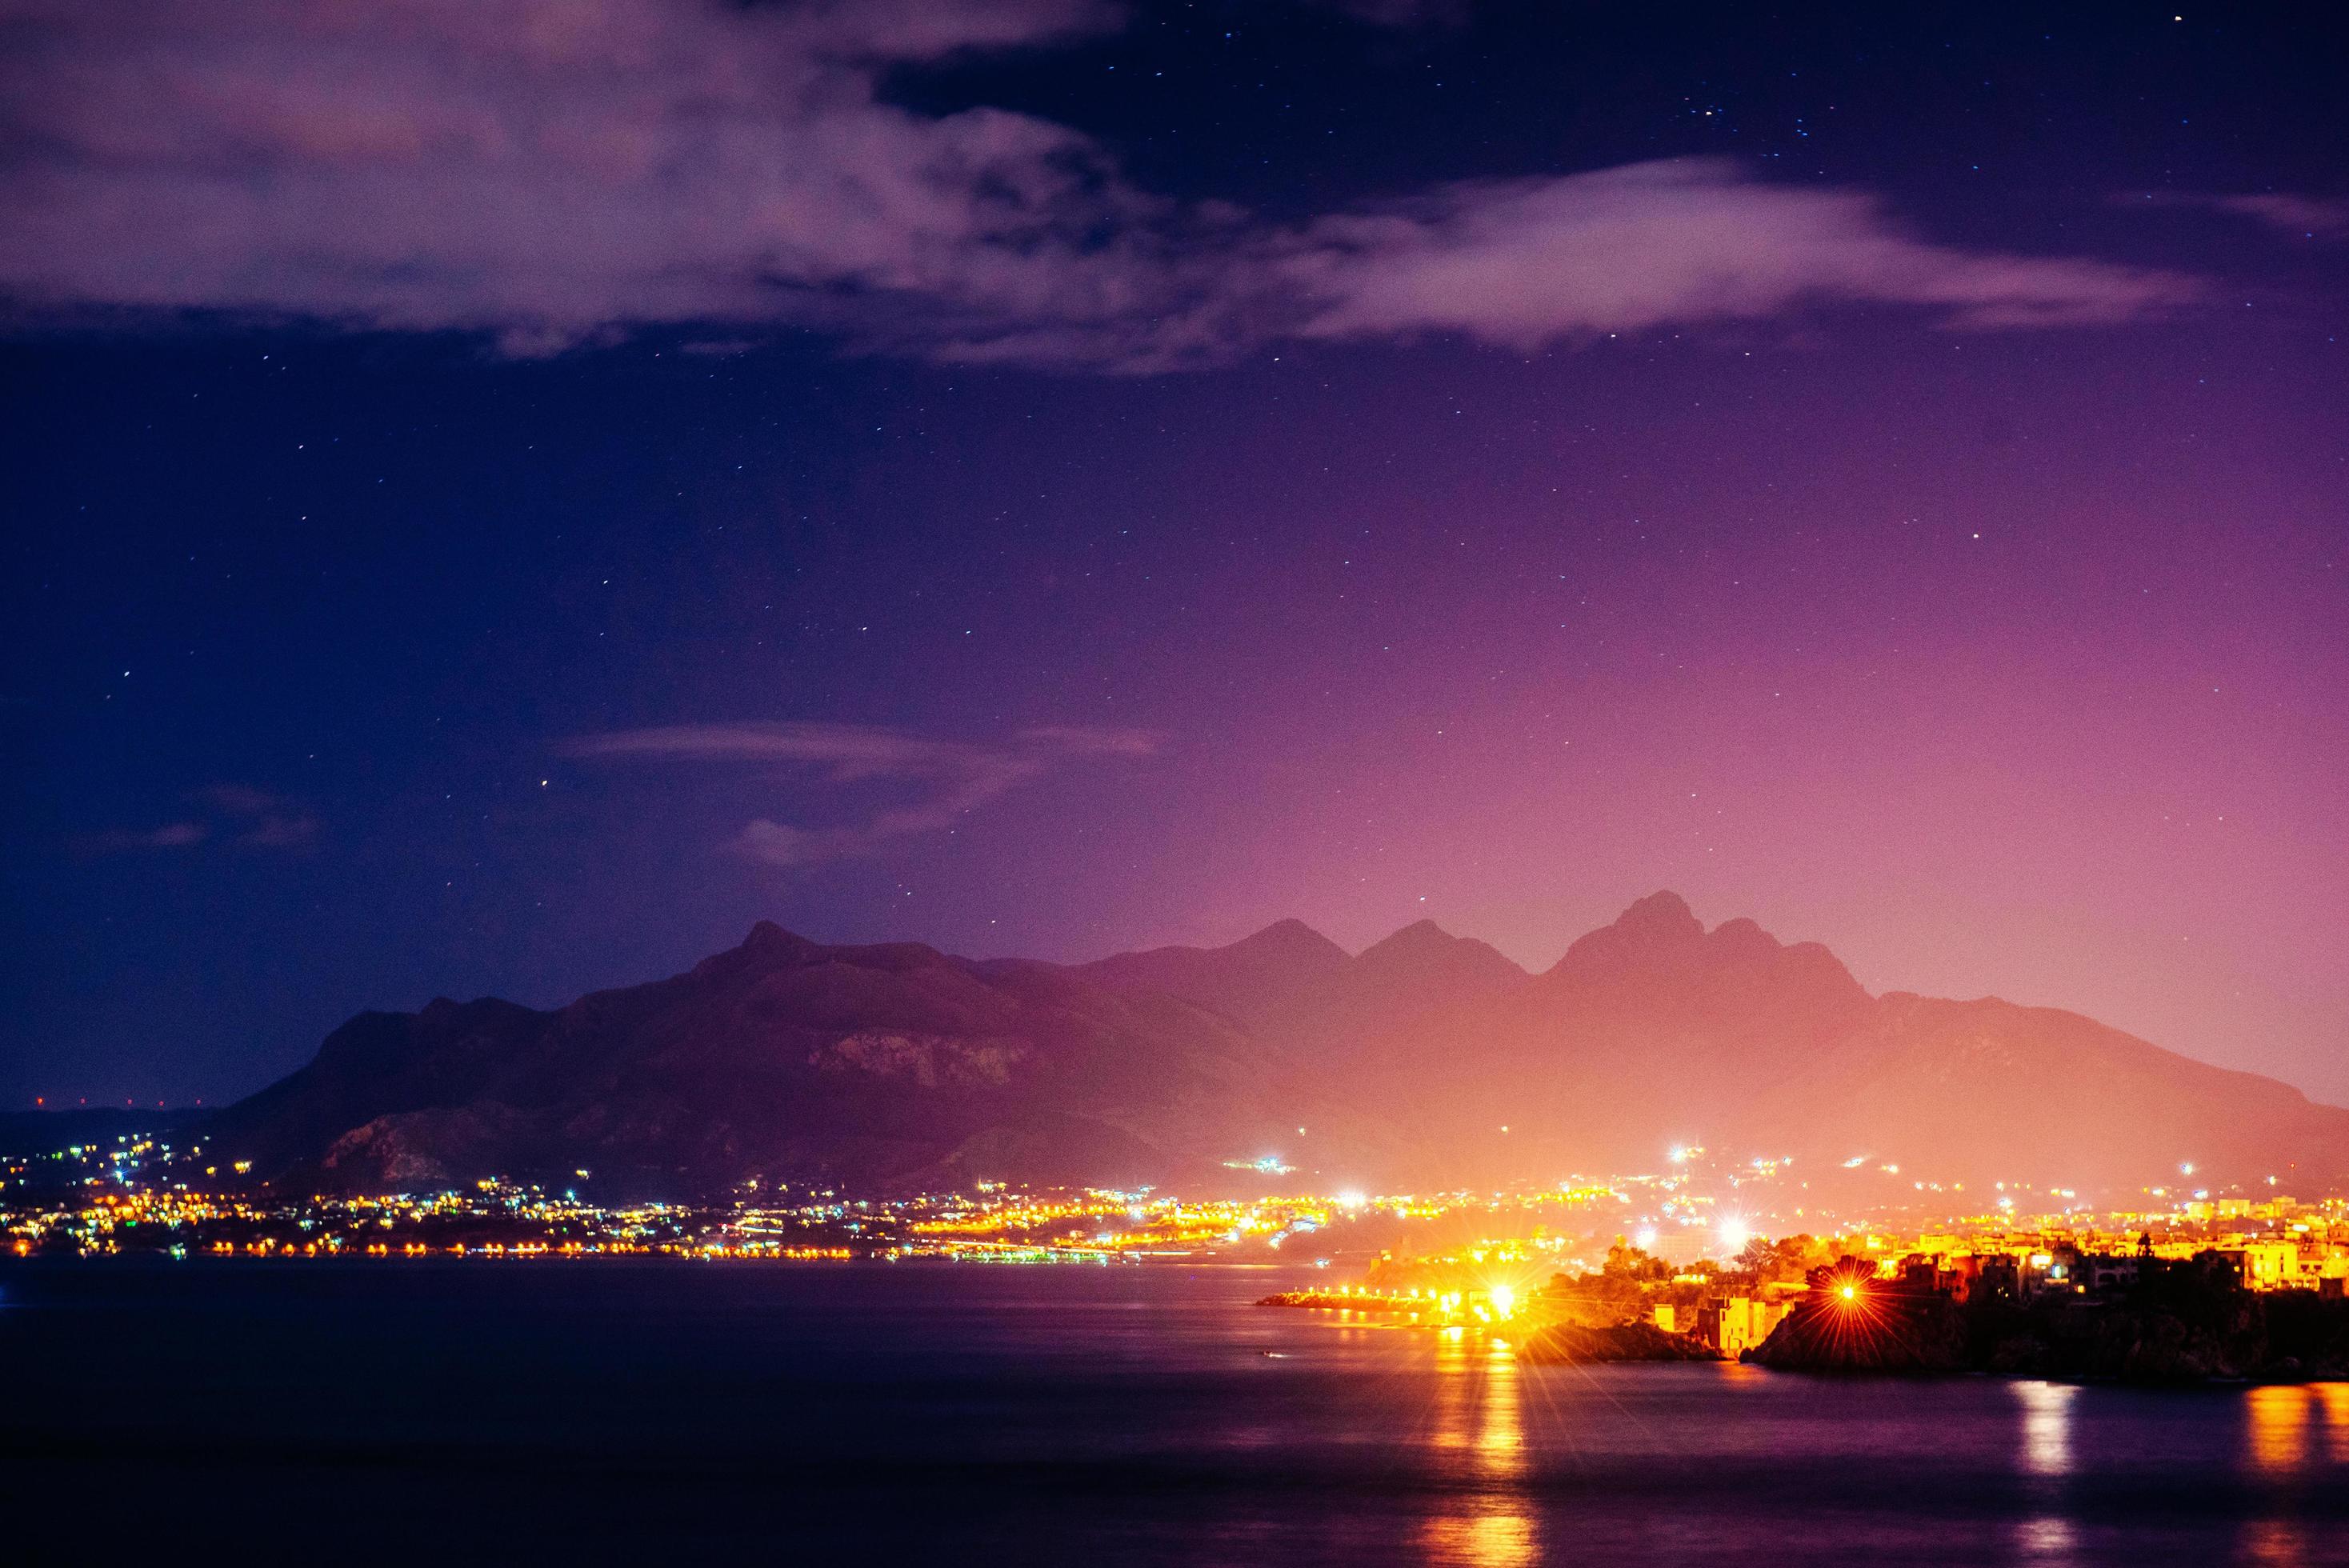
point(1300, 992)
point(782, 1057)
point(1653, 1032)
point(1648, 1033)
point(1245, 981)
point(897, 1064)
point(2041, 1094)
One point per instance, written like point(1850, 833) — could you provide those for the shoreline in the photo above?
point(1634, 1342)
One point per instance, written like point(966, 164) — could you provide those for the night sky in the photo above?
point(499, 498)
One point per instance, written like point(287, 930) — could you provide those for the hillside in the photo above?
point(782, 1058)
point(1427, 1060)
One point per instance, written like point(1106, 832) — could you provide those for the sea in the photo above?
point(546, 1411)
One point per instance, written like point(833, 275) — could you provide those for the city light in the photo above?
point(1683, 1242)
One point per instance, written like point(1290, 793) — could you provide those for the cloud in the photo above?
point(2308, 217)
point(546, 170)
point(258, 819)
point(1086, 740)
point(169, 836)
point(1522, 262)
point(557, 173)
point(950, 778)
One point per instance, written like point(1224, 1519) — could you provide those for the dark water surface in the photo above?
point(556, 1412)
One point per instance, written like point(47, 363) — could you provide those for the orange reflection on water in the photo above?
point(1479, 1409)
point(2281, 1418)
point(1481, 1540)
point(2278, 1540)
point(1501, 1435)
point(1454, 1396)
point(2279, 1442)
point(2334, 1399)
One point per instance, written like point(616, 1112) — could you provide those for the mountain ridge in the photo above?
point(1424, 1058)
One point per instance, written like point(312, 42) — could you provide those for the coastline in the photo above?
point(2132, 1345)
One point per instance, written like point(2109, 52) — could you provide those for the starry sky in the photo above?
point(499, 498)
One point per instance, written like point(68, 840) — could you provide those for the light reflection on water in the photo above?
point(2046, 1458)
point(2290, 1433)
point(2277, 1442)
point(1501, 1435)
point(2046, 1427)
point(2333, 1397)
point(2280, 1423)
point(2278, 1540)
point(1500, 1460)
point(1152, 1418)
point(1490, 1521)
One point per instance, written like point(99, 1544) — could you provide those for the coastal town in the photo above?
point(1708, 1258)
point(1699, 1225)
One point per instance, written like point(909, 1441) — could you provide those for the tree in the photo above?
point(1625, 1260)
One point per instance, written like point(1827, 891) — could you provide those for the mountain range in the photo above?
point(1427, 1060)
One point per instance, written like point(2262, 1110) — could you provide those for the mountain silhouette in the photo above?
point(1425, 1060)
point(1241, 981)
point(782, 1056)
